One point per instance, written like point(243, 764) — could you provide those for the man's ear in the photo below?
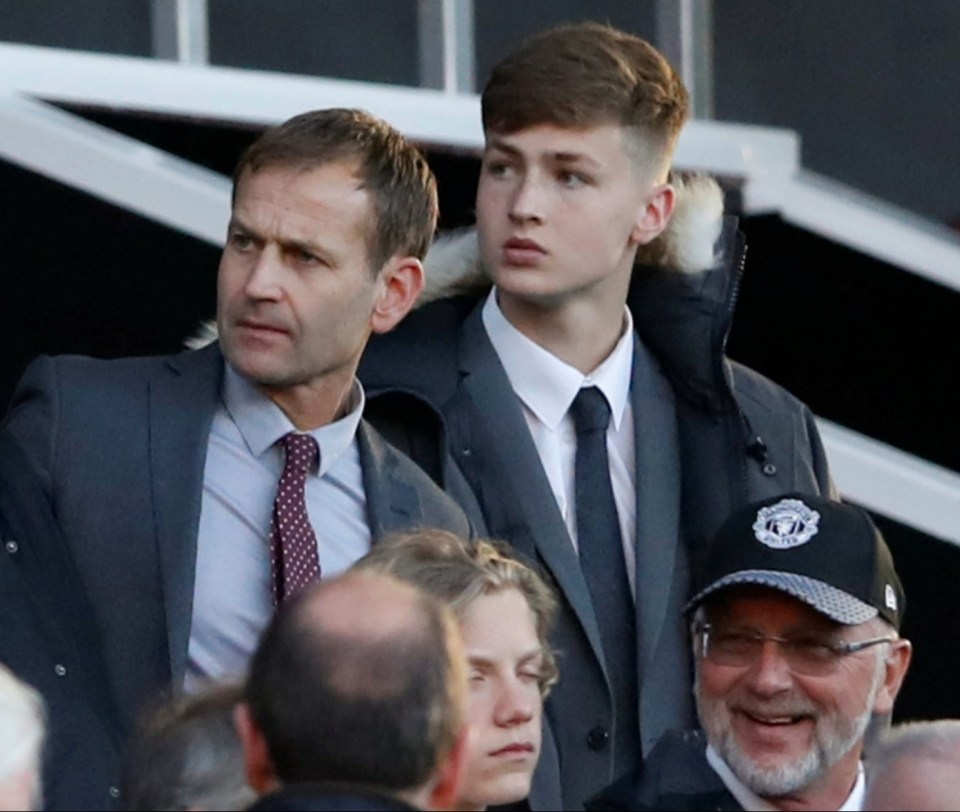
point(400, 284)
point(446, 790)
point(656, 213)
point(895, 669)
point(256, 754)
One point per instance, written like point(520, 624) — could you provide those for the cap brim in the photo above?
point(828, 600)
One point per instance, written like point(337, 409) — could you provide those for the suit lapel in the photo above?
point(183, 399)
point(498, 441)
point(658, 500)
point(393, 503)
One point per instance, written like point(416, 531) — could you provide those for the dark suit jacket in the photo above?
point(48, 638)
point(119, 448)
point(675, 776)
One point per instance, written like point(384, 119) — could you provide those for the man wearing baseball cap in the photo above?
point(797, 647)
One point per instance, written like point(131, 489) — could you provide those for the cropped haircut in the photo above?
point(188, 755)
point(22, 728)
point(401, 185)
point(458, 572)
point(586, 75)
point(376, 711)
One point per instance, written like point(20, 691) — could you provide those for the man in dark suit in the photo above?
point(196, 492)
point(587, 400)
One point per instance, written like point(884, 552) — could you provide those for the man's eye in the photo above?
point(573, 180)
point(812, 649)
point(498, 169)
point(734, 642)
point(240, 241)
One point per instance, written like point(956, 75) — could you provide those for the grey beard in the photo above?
point(773, 782)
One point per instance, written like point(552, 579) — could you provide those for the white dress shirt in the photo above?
point(232, 598)
point(752, 802)
point(547, 387)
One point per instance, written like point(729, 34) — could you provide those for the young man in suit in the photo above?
point(196, 492)
point(587, 398)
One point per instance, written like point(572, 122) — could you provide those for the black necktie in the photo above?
point(604, 568)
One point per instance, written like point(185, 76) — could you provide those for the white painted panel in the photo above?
point(900, 486)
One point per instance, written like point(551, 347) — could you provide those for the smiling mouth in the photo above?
point(776, 721)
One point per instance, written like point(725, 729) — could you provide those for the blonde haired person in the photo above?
point(22, 729)
point(505, 611)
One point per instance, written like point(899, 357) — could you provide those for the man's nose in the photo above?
point(770, 674)
point(528, 201)
point(263, 279)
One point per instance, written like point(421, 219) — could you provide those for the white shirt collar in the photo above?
point(261, 422)
point(752, 802)
point(547, 385)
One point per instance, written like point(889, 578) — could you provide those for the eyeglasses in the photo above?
point(804, 655)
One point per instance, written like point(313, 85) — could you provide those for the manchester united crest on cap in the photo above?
point(789, 523)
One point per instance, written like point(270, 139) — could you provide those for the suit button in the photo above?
point(770, 469)
point(60, 670)
point(12, 547)
point(598, 738)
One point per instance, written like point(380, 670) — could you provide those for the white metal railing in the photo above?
point(767, 159)
point(113, 167)
point(195, 200)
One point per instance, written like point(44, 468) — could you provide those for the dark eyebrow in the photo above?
point(237, 223)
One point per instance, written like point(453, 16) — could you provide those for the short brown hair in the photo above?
point(458, 572)
point(584, 75)
point(391, 169)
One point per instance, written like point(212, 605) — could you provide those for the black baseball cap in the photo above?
point(827, 554)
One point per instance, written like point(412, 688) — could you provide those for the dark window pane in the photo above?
point(368, 40)
point(502, 24)
point(108, 26)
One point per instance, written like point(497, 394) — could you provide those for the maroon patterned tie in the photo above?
point(293, 544)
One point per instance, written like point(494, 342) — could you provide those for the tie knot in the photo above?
point(302, 451)
point(590, 411)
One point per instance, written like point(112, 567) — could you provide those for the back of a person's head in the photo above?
point(586, 75)
point(359, 680)
point(915, 766)
point(22, 728)
point(188, 755)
